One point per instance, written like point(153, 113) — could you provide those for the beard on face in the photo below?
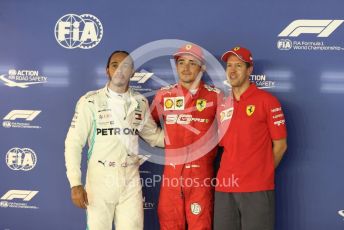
point(119, 80)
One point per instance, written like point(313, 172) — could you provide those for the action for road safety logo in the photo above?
point(22, 78)
point(341, 213)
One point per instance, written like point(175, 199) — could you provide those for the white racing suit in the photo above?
point(111, 124)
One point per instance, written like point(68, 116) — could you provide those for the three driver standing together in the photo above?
point(249, 124)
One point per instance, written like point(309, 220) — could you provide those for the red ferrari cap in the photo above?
point(191, 49)
point(241, 52)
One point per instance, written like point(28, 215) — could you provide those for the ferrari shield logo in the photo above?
point(201, 104)
point(250, 110)
point(236, 48)
point(188, 47)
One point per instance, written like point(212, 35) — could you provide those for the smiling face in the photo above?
point(189, 69)
point(238, 73)
point(120, 70)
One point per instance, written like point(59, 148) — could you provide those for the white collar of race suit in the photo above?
point(133, 103)
point(124, 96)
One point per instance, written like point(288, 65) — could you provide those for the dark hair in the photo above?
point(248, 64)
point(116, 52)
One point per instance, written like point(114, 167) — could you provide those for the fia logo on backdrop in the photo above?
point(83, 31)
point(23, 159)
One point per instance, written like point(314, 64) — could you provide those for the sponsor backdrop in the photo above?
point(52, 53)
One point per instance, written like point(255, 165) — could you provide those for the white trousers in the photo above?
point(115, 197)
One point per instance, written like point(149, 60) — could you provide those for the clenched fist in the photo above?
point(79, 196)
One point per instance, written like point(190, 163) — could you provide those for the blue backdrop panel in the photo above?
point(303, 67)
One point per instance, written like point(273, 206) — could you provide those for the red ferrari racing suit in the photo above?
point(189, 121)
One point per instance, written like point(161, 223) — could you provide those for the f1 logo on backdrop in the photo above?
point(320, 31)
point(21, 197)
point(28, 115)
point(78, 31)
point(9, 121)
point(25, 195)
point(323, 28)
point(141, 77)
